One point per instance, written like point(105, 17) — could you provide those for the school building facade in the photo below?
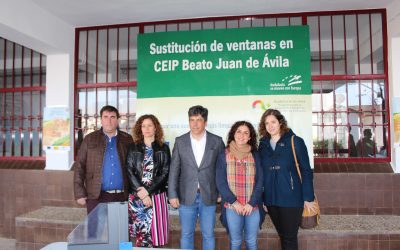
point(47, 62)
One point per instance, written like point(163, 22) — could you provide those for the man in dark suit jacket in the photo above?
point(191, 182)
point(100, 171)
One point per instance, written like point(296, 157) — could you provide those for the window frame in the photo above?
point(188, 23)
point(17, 120)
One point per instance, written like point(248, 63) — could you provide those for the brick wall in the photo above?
point(339, 193)
point(26, 190)
point(352, 193)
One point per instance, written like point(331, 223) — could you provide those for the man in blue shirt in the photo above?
point(100, 171)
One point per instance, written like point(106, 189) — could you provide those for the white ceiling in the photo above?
point(82, 13)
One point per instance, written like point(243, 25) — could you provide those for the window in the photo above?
point(106, 75)
point(349, 75)
point(350, 116)
point(22, 98)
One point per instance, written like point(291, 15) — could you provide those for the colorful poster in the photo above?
point(396, 121)
point(236, 73)
point(56, 122)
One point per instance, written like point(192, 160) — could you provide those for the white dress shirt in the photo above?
point(198, 147)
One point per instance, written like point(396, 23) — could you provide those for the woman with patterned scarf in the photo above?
point(240, 182)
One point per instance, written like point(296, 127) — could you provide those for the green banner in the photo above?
point(225, 62)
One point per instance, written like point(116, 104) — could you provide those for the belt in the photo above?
point(114, 191)
point(198, 190)
point(275, 168)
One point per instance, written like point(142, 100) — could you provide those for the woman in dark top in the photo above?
point(240, 183)
point(148, 162)
point(284, 194)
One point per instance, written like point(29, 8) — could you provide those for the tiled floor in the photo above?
point(369, 232)
point(7, 244)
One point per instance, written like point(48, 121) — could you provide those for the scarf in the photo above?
point(237, 152)
point(240, 173)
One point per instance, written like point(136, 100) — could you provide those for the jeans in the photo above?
point(188, 218)
point(287, 222)
point(237, 223)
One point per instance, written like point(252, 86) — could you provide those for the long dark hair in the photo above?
point(137, 130)
point(262, 130)
point(253, 135)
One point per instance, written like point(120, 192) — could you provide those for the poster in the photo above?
point(396, 121)
point(56, 125)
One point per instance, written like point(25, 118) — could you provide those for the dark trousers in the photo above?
point(287, 222)
point(103, 198)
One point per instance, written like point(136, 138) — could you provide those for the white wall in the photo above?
point(23, 22)
point(59, 89)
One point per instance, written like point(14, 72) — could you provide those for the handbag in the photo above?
point(309, 219)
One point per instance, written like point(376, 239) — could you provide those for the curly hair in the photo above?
point(253, 135)
point(262, 130)
point(137, 130)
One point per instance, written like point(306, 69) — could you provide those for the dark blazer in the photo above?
point(228, 196)
point(161, 161)
point(282, 186)
point(88, 167)
point(185, 175)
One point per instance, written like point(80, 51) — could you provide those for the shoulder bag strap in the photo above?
point(295, 158)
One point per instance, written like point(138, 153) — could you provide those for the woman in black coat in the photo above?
point(148, 162)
